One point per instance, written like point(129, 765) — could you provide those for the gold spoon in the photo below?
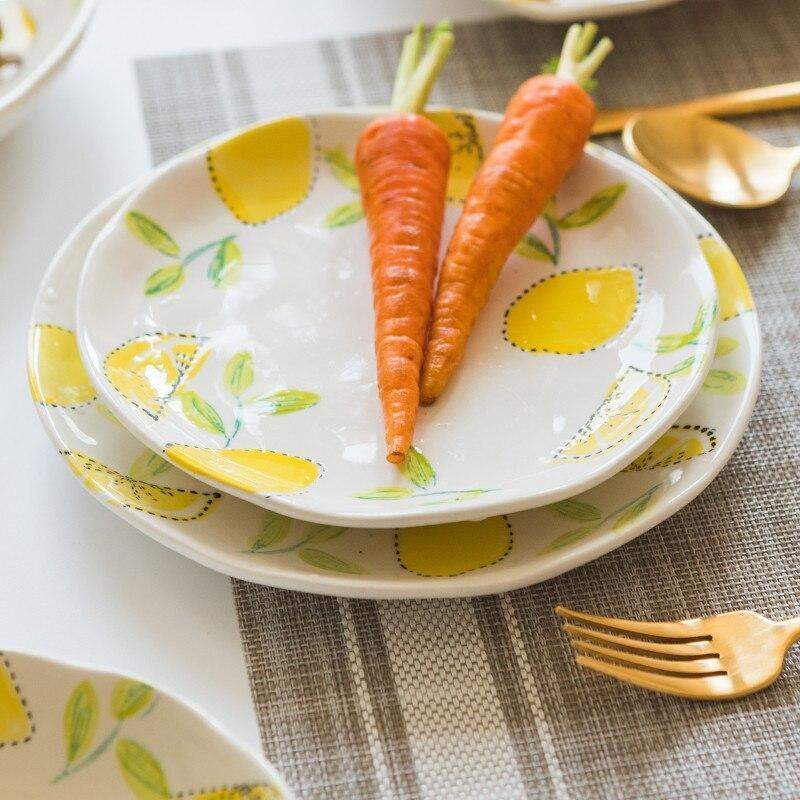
point(711, 160)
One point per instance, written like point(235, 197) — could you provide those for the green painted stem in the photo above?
point(204, 249)
point(71, 769)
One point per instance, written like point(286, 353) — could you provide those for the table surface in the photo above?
point(76, 582)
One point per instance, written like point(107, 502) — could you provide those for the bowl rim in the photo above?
point(53, 59)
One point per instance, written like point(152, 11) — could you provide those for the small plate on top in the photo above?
point(225, 316)
point(70, 732)
point(579, 10)
point(458, 559)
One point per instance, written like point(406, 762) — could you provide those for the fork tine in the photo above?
point(702, 648)
point(695, 667)
point(666, 630)
point(713, 687)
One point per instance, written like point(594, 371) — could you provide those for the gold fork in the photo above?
point(709, 658)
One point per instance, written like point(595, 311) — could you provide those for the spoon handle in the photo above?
point(747, 101)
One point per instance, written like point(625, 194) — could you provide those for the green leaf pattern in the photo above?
point(141, 771)
point(418, 469)
point(129, 698)
point(344, 170)
point(595, 208)
point(223, 269)
point(81, 716)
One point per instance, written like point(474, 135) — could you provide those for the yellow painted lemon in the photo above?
point(734, 293)
point(255, 471)
point(466, 149)
point(55, 370)
point(630, 401)
point(264, 171)
point(453, 548)
point(259, 792)
point(148, 370)
point(15, 725)
point(180, 505)
point(679, 444)
point(573, 312)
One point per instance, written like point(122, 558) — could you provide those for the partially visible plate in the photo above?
point(451, 560)
point(225, 315)
point(71, 732)
point(56, 27)
point(579, 10)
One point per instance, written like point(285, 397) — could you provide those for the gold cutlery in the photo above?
point(709, 658)
point(710, 160)
point(746, 101)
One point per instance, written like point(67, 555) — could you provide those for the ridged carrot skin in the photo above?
point(546, 125)
point(402, 162)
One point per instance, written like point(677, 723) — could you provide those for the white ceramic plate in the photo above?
point(579, 10)
point(58, 26)
point(451, 560)
point(71, 732)
point(234, 287)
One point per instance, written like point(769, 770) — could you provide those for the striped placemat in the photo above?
point(480, 699)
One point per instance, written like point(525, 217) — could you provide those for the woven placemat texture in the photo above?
point(480, 699)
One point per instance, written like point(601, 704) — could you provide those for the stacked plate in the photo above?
point(201, 354)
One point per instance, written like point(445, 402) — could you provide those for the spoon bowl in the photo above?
point(711, 160)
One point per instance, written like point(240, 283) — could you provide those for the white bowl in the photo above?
point(60, 26)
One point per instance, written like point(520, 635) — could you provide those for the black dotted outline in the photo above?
point(235, 787)
point(210, 497)
point(709, 433)
point(721, 241)
point(586, 427)
point(199, 339)
point(456, 574)
point(57, 405)
point(22, 700)
point(320, 466)
point(635, 268)
point(313, 124)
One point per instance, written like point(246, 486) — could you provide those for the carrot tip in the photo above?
point(395, 456)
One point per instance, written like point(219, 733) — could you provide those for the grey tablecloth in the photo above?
point(480, 699)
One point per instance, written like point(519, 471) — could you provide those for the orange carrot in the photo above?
point(542, 135)
point(402, 161)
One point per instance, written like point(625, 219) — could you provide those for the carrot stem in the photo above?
point(413, 97)
point(409, 60)
point(574, 63)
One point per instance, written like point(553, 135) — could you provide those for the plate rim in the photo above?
point(378, 516)
point(544, 11)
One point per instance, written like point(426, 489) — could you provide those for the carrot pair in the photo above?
point(402, 163)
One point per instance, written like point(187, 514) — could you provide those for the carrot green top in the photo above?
point(576, 63)
point(421, 62)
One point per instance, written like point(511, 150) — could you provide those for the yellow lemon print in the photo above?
point(148, 370)
point(254, 471)
point(15, 721)
point(442, 551)
point(180, 505)
point(734, 293)
point(264, 171)
point(679, 444)
point(55, 371)
point(630, 401)
point(466, 149)
point(260, 792)
point(573, 312)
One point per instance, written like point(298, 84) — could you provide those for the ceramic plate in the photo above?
point(450, 560)
point(225, 315)
point(579, 10)
point(72, 733)
point(44, 33)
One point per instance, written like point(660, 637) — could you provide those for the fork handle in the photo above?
point(746, 101)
